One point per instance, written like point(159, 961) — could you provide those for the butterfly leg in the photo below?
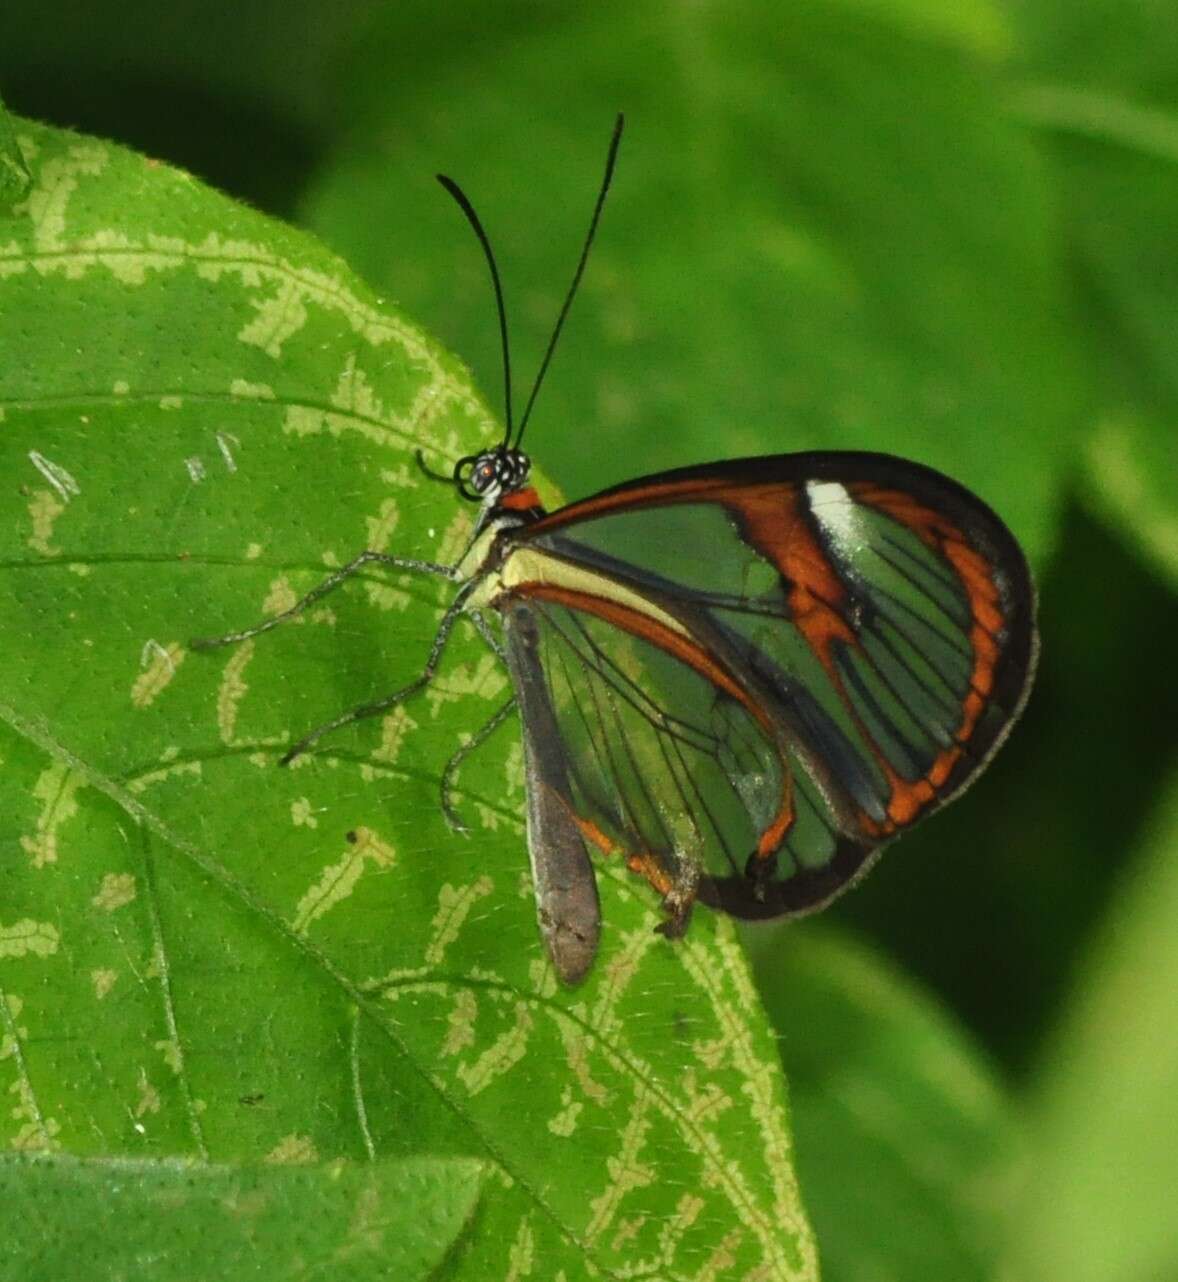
point(679, 890)
point(680, 898)
point(483, 628)
point(329, 584)
point(451, 816)
point(442, 635)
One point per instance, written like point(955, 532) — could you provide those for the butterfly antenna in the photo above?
point(568, 298)
point(467, 208)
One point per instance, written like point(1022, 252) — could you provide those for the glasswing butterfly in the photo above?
point(745, 677)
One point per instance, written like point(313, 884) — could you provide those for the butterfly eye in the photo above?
point(466, 477)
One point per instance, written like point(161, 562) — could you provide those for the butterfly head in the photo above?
point(486, 478)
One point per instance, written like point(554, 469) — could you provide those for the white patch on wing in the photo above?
point(838, 514)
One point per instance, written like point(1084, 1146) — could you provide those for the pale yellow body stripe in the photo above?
point(526, 565)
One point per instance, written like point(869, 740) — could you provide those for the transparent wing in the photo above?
point(869, 626)
point(674, 772)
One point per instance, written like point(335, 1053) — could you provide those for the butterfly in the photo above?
point(745, 678)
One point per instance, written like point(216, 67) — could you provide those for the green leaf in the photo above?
point(907, 1145)
point(203, 1220)
point(974, 26)
point(1110, 126)
point(14, 173)
point(1100, 1201)
point(209, 959)
point(824, 231)
point(1131, 463)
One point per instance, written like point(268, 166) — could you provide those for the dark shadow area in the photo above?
point(235, 144)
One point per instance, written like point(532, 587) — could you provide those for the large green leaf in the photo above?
point(1131, 462)
point(1100, 1205)
point(334, 1220)
point(1103, 95)
point(907, 1144)
point(824, 232)
point(205, 958)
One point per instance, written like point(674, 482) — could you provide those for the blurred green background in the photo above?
point(949, 232)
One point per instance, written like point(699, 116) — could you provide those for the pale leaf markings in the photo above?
point(56, 789)
point(382, 527)
point(455, 537)
point(55, 181)
point(118, 889)
point(293, 1150)
point(521, 1253)
point(484, 679)
point(620, 970)
point(578, 1045)
point(104, 979)
point(28, 938)
point(302, 813)
point(247, 391)
point(36, 1133)
point(149, 1098)
point(504, 1053)
point(169, 768)
point(279, 318)
point(460, 1030)
point(393, 730)
point(169, 1048)
point(44, 507)
point(280, 596)
point(761, 1088)
point(626, 1172)
point(724, 1257)
point(564, 1123)
point(513, 767)
point(284, 291)
point(232, 689)
point(707, 1143)
point(541, 976)
point(705, 1102)
point(162, 664)
point(492, 818)
point(337, 881)
point(454, 907)
point(354, 406)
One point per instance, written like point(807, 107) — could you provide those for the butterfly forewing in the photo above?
point(792, 657)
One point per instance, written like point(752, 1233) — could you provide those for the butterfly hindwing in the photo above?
point(669, 764)
point(562, 875)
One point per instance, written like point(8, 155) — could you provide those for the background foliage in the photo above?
point(941, 231)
